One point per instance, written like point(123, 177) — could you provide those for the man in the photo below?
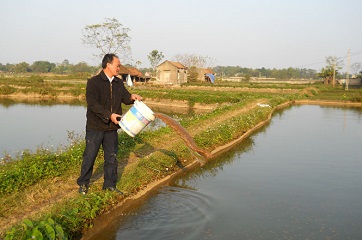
point(105, 93)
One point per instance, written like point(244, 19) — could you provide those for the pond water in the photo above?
point(300, 177)
point(29, 126)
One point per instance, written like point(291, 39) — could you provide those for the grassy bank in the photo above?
point(38, 191)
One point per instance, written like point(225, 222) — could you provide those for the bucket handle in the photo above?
point(136, 102)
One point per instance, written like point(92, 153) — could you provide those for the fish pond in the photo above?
point(299, 177)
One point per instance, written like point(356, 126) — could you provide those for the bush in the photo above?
point(47, 229)
point(35, 79)
point(6, 90)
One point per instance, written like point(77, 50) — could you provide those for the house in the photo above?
point(171, 73)
point(351, 82)
point(137, 76)
point(206, 74)
point(134, 73)
point(123, 73)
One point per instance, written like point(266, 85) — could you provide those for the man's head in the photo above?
point(111, 64)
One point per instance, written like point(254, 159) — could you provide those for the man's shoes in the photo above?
point(113, 189)
point(83, 189)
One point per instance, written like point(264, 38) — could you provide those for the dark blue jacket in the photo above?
point(103, 99)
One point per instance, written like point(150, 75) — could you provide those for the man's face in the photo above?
point(114, 67)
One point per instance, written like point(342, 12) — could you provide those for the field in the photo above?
point(38, 191)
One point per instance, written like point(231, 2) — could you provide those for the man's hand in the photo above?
point(114, 117)
point(136, 97)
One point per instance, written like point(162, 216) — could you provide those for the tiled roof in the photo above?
point(123, 70)
point(134, 72)
point(178, 65)
point(207, 71)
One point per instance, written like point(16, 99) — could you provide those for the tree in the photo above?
point(189, 60)
point(42, 66)
point(327, 74)
point(22, 67)
point(108, 37)
point(359, 75)
point(193, 74)
point(63, 67)
point(334, 63)
point(7, 68)
point(331, 70)
point(138, 63)
point(355, 67)
point(155, 58)
point(65, 63)
point(82, 67)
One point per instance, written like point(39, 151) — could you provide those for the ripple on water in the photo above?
point(175, 213)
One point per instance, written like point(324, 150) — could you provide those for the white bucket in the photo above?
point(136, 119)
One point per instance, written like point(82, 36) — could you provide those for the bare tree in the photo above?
point(334, 64)
point(355, 67)
point(193, 60)
point(108, 37)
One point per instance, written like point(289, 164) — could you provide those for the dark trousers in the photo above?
point(109, 142)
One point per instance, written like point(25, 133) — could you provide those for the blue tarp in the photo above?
point(212, 77)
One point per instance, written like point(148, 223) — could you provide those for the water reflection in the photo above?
point(31, 123)
point(29, 126)
point(8, 102)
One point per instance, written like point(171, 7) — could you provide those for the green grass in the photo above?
point(232, 128)
point(338, 94)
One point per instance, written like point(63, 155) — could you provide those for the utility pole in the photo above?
point(348, 63)
point(334, 74)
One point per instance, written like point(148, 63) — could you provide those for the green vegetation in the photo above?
point(31, 168)
point(44, 85)
point(47, 229)
point(287, 73)
point(42, 67)
point(337, 94)
point(33, 173)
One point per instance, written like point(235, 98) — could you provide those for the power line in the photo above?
point(351, 54)
point(310, 64)
point(355, 54)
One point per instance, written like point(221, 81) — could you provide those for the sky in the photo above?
point(246, 33)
